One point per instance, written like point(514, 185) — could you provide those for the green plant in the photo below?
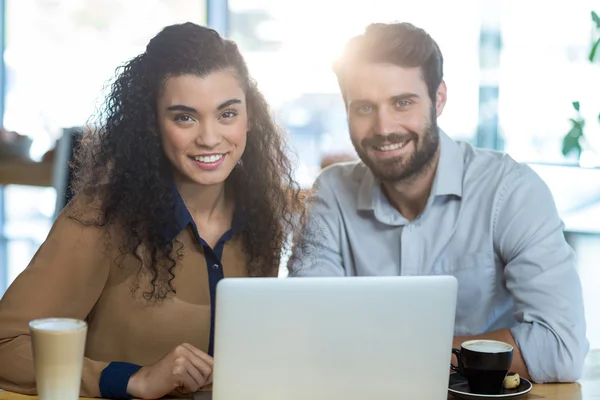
point(572, 140)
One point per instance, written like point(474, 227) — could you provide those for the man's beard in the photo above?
point(405, 167)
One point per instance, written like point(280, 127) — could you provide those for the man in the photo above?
point(420, 203)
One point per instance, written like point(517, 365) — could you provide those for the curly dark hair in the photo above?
point(121, 163)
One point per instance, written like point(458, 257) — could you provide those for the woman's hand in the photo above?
point(185, 369)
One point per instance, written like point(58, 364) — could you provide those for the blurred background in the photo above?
point(521, 76)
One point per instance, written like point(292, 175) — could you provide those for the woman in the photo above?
point(185, 181)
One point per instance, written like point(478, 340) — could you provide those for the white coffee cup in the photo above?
point(58, 346)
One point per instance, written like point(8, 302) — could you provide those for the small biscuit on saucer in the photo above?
point(512, 381)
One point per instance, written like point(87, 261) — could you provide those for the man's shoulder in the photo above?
point(343, 184)
point(478, 156)
point(491, 168)
point(342, 175)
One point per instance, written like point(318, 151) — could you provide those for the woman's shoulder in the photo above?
point(86, 205)
point(84, 216)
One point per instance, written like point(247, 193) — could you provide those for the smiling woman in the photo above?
point(204, 123)
point(183, 181)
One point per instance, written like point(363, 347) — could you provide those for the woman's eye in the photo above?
point(228, 114)
point(183, 118)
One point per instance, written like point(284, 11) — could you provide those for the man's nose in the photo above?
point(387, 122)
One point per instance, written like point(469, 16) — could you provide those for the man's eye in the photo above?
point(365, 109)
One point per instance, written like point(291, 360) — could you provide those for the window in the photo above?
point(544, 67)
point(60, 53)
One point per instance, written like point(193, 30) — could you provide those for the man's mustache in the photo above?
point(379, 140)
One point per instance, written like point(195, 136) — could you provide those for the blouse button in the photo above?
point(215, 267)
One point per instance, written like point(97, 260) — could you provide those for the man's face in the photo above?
point(392, 121)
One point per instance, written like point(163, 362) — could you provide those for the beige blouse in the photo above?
point(76, 273)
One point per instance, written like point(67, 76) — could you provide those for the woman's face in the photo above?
point(203, 122)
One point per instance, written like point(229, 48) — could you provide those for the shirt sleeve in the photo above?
point(317, 252)
point(64, 279)
point(115, 378)
point(541, 275)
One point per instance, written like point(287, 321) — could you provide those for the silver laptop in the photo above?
point(334, 338)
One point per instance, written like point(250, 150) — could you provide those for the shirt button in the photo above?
point(215, 266)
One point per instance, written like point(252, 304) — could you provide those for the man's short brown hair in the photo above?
point(401, 44)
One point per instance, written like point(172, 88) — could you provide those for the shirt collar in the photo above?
point(368, 191)
point(182, 219)
point(448, 178)
point(449, 173)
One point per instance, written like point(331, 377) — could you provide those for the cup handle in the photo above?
point(457, 368)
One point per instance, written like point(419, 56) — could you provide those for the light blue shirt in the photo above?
point(490, 222)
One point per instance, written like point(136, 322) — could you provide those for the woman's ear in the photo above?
point(249, 114)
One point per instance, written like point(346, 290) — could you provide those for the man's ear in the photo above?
point(440, 98)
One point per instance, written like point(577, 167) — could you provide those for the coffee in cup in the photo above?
point(58, 346)
point(484, 363)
